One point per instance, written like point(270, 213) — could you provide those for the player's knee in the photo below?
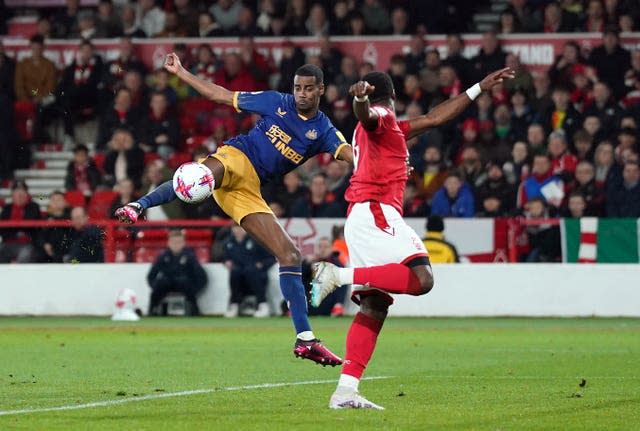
point(374, 306)
point(290, 257)
point(425, 278)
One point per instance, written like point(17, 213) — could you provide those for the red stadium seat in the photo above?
point(124, 242)
point(100, 204)
point(99, 159)
point(201, 241)
point(148, 244)
point(194, 142)
point(176, 159)
point(150, 157)
point(75, 198)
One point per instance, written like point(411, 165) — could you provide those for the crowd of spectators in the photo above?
point(566, 138)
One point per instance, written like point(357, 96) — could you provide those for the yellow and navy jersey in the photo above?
point(440, 251)
point(282, 139)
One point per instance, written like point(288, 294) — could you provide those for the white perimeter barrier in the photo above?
point(460, 290)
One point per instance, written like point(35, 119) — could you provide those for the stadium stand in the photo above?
point(575, 74)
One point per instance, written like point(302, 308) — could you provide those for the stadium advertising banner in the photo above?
point(537, 51)
point(477, 240)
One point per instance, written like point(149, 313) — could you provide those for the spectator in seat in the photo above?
point(226, 13)
point(248, 264)
point(320, 202)
point(108, 23)
point(541, 100)
point(339, 24)
point(176, 270)
point(292, 58)
point(414, 205)
point(207, 26)
point(157, 173)
point(605, 108)
point(160, 131)
point(126, 190)
point(188, 17)
point(86, 25)
point(416, 56)
point(233, 74)
point(399, 22)
point(171, 27)
point(611, 61)
point(440, 250)
point(491, 56)
point(583, 144)
point(541, 184)
point(150, 17)
point(459, 62)
point(161, 85)
point(563, 162)
point(593, 126)
point(254, 62)
point(65, 23)
point(562, 114)
point(496, 184)
point(54, 239)
point(35, 83)
point(120, 116)
point(133, 81)
point(348, 74)
point(536, 138)
point(376, 16)
point(332, 305)
point(114, 70)
point(454, 198)
point(517, 168)
point(561, 72)
point(130, 25)
point(556, 20)
point(544, 239)
point(124, 160)
point(527, 15)
point(521, 114)
point(82, 172)
point(471, 166)
point(206, 65)
point(78, 92)
point(523, 78)
point(576, 206)
point(603, 161)
point(592, 192)
point(624, 201)
point(357, 25)
point(18, 244)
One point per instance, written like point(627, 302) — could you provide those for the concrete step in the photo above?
point(57, 164)
point(486, 17)
point(52, 155)
point(37, 193)
point(40, 173)
point(498, 7)
point(44, 183)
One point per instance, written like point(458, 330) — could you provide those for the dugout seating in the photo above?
point(100, 203)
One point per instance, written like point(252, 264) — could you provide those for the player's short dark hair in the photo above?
point(311, 70)
point(383, 86)
point(435, 224)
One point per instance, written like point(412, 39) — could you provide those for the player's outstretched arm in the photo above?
point(361, 105)
point(451, 108)
point(209, 90)
point(163, 194)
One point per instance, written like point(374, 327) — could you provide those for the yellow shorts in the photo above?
point(239, 194)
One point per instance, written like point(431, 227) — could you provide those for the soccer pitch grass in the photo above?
point(440, 374)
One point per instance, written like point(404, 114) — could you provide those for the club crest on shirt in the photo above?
point(312, 134)
point(280, 112)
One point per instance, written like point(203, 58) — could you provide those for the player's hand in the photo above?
point(496, 78)
point(172, 63)
point(361, 89)
point(129, 213)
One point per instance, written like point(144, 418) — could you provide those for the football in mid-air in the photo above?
point(193, 182)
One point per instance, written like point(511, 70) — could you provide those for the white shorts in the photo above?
point(376, 234)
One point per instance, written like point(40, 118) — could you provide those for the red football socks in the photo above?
point(392, 278)
point(361, 342)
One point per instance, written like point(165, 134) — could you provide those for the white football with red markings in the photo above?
point(193, 182)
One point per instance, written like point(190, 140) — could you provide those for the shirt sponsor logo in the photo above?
point(280, 140)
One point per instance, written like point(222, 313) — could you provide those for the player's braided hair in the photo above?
point(384, 86)
point(311, 70)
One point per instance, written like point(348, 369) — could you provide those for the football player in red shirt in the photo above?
point(387, 255)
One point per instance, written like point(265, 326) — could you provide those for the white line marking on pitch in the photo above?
point(107, 403)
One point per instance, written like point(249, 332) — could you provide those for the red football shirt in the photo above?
point(380, 161)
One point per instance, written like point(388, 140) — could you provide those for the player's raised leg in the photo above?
point(360, 344)
point(265, 229)
point(392, 278)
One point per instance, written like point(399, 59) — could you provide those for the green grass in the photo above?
point(444, 374)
